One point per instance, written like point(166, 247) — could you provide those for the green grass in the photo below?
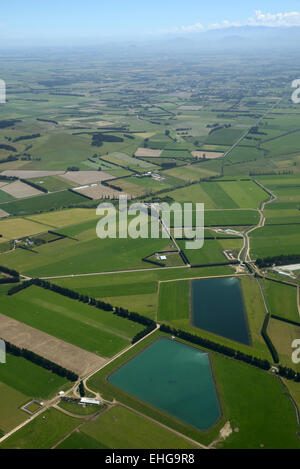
point(87, 327)
point(120, 428)
point(4, 197)
point(43, 203)
point(282, 335)
point(273, 240)
point(89, 255)
point(43, 432)
point(79, 440)
point(212, 251)
point(223, 194)
point(53, 183)
point(10, 402)
point(30, 379)
point(281, 300)
point(174, 300)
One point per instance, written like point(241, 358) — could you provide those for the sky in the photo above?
point(56, 20)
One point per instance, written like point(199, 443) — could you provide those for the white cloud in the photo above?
point(259, 19)
point(275, 19)
point(223, 25)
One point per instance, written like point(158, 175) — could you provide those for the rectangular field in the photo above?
point(97, 331)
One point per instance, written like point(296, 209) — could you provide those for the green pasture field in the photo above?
point(190, 173)
point(212, 251)
point(282, 335)
point(142, 186)
point(53, 183)
point(43, 203)
point(43, 432)
point(267, 405)
point(87, 254)
point(122, 159)
point(11, 402)
point(144, 282)
point(62, 218)
point(282, 217)
point(231, 217)
point(174, 300)
point(281, 300)
point(17, 228)
point(60, 150)
point(122, 428)
point(92, 329)
point(272, 240)
point(283, 145)
point(79, 440)
point(224, 136)
point(4, 197)
point(30, 379)
point(225, 194)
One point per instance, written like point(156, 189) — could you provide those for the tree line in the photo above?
point(283, 259)
point(149, 324)
point(41, 361)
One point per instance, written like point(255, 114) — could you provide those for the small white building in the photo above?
point(89, 401)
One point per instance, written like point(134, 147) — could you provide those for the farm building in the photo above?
point(89, 401)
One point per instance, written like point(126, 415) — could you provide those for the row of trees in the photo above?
point(41, 361)
point(35, 186)
point(149, 324)
point(283, 259)
point(14, 276)
point(206, 343)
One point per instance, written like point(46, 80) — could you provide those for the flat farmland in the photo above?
point(66, 217)
point(190, 173)
point(20, 227)
point(273, 240)
point(30, 379)
point(52, 183)
point(209, 155)
point(122, 428)
point(148, 152)
point(86, 177)
point(86, 254)
point(283, 335)
point(212, 251)
point(28, 174)
point(84, 326)
point(20, 190)
point(225, 217)
point(281, 300)
point(174, 300)
point(43, 432)
point(5, 197)
point(225, 194)
point(122, 159)
point(10, 413)
point(58, 351)
point(42, 203)
point(97, 192)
